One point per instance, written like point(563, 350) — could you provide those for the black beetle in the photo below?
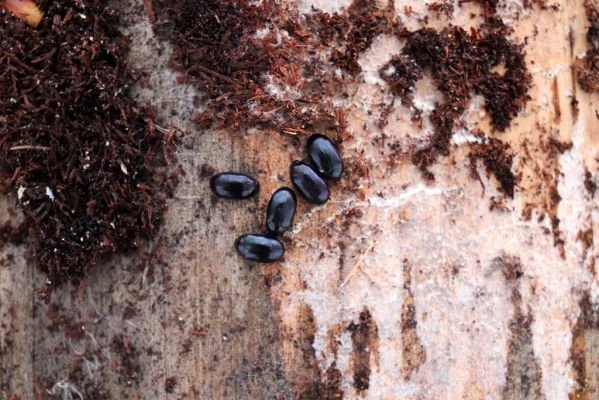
point(307, 181)
point(281, 209)
point(231, 185)
point(325, 156)
point(259, 248)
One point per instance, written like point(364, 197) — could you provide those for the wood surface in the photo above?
point(427, 315)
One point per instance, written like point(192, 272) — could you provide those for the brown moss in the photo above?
point(461, 64)
point(401, 74)
point(587, 68)
point(497, 159)
point(488, 5)
point(214, 45)
point(442, 7)
point(218, 48)
point(351, 33)
point(88, 161)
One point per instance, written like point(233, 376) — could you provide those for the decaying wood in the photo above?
point(26, 10)
point(467, 293)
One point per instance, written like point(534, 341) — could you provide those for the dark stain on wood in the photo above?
point(556, 106)
point(554, 149)
point(12, 235)
point(365, 338)
point(586, 237)
point(127, 360)
point(523, 377)
point(332, 383)
point(589, 183)
point(413, 354)
point(585, 350)
point(310, 382)
point(574, 100)
point(571, 41)
point(511, 268)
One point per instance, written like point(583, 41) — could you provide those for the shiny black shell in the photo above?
point(281, 210)
point(259, 248)
point(325, 156)
point(308, 183)
point(232, 185)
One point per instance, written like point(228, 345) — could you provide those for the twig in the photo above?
point(188, 197)
point(30, 147)
point(294, 131)
point(216, 74)
point(356, 266)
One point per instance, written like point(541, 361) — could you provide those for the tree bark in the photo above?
point(398, 288)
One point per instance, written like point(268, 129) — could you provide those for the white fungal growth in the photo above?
point(21, 192)
point(124, 169)
point(69, 392)
point(49, 193)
